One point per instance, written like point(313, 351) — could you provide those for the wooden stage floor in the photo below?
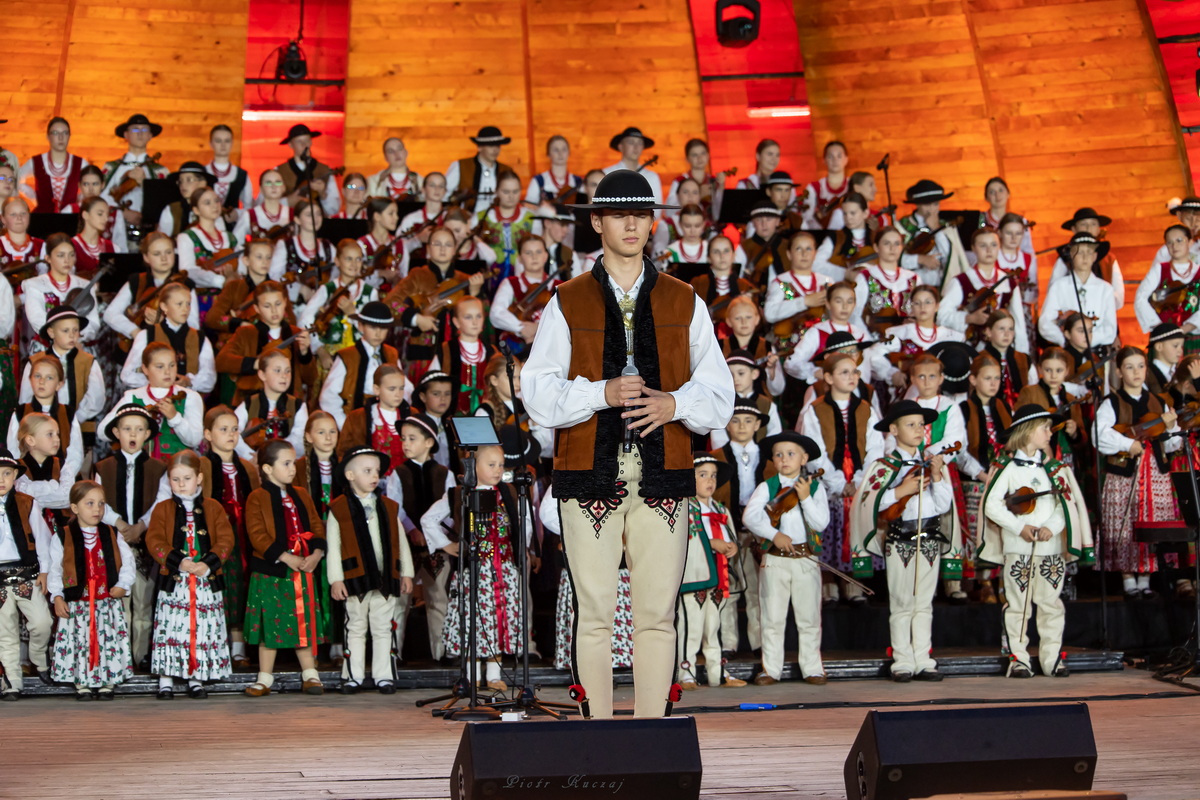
point(292, 746)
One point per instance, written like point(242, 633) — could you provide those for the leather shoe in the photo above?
point(197, 692)
point(348, 687)
point(763, 679)
point(1063, 671)
point(241, 662)
point(84, 695)
point(257, 690)
point(10, 697)
point(386, 687)
point(816, 680)
point(689, 686)
point(902, 677)
point(165, 693)
point(105, 694)
point(44, 675)
point(1019, 670)
point(931, 675)
point(732, 683)
point(313, 686)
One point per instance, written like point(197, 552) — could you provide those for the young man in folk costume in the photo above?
point(918, 540)
point(1034, 546)
point(704, 594)
point(136, 165)
point(54, 175)
point(764, 253)
point(611, 500)
point(301, 165)
point(1088, 221)
point(233, 183)
point(472, 181)
point(946, 258)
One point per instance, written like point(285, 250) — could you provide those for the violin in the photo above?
point(824, 212)
point(896, 510)
point(856, 261)
point(283, 344)
point(1149, 426)
point(1023, 500)
point(21, 271)
point(129, 184)
point(443, 295)
point(1173, 294)
point(417, 227)
point(986, 298)
point(649, 162)
point(716, 308)
point(81, 298)
point(135, 312)
point(923, 242)
point(787, 499)
point(889, 317)
point(303, 187)
point(332, 308)
point(312, 276)
point(786, 328)
point(1066, 407)
point(1087, 370)
point(532, 303)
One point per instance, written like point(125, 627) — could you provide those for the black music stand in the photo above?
point(586, 238)
point(688, 271)
point(43, 225)
point(736, 205)
point(124, 266)
point(157, 194)
point(334, 230)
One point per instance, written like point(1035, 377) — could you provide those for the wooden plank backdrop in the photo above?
point(1066, 99)
point(180, 62)
point(534, 68)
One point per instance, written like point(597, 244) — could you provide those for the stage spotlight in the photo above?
point(291, 66)
point(737, 31)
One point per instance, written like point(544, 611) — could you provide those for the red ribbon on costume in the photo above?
point(193, 662)
point(847, 502)
point(302, 581)
point(94, 585)
point(497, 539)
point(717, 522)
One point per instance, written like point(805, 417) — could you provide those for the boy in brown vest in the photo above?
point(369, 567)
point(617, 494)
point(193, 353)
point(346, 385)
point(130, 479)
point(82, 391)
point(239, 358)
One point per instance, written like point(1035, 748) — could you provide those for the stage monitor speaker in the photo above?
point(906, 754)
point(653, 758)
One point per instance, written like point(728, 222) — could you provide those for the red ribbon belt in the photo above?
point(716, 522)
point(302, 581)
point(94, 586)
point(193, 662)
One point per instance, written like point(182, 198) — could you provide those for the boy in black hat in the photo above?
point(303, 165)
point(1165, 351)
point(472, 181)
point(1179, 265)
point(556, 224)
point(1088, 221)
point(347, 383)
point(745, 372)
point(764, 253)
point(24, 568)
point(434, 395)
point(369, 566)
point(712, 545)
point(1036, 545)
point(620, 491)
point(790, 573)
point(137, 131)
point(131, 481)
point(926, 198)
point(911, 538)
point(631, 143)
point(178, 216)
point(1086, 254)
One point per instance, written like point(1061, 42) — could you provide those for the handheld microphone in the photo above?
point(507, 350)
point(630, 370)
point(885, 163)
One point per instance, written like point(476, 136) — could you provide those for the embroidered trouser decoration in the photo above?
point(1036, 581)
point(911, 586)
point(905, 550)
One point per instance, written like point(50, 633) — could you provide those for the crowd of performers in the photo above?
point(244, 446)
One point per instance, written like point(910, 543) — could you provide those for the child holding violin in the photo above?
point(927, 236)
point(199, 245)
point(719, 285)
point(1137, 483)
point(234, 306)
point(1170, 291)
point(822, 197)
point(1017, 256)
point(520, 298)
point(787, 513)
point(763, 253)
point(900, 513)
point(90, 241)
point(270, 215)
point(193, 352)
point(1051, 393)
point(302, 261)
point(882, 289)
point(744, 322)
point(1035, 522)
point(331, 306)
point(890, 357)
point(804, 363)
point(975, 294)
point(386, 257)
point(797, 295)
point(136, 301)
point(1086, 222)
point(842, 255)
point(46, 293)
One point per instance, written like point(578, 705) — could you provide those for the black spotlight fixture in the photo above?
point(292, 65)
point(737, 30)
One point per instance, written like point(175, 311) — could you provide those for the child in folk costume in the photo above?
point(25, 566)
point(514, 296)
point(234, 306)
point(131, 480)
point(178, 410)
point(91, 181)
point(985, 275)
point(43, 294)
point(47, 478)
point(669, 228)
point(320, 472)
point(90, 242)
point(556, 225)
point(194, 363)
point(465, 355)
point(705, 590)
point(804, 363)
point(1094, 293)
point(127, 312)
point(745, 333)
point(82, 389)
point(348, 382)
point(751, 466)
point(915, 543)
point(46, 378)
point(198, 244)
point(343, 294)
point(229, 480)
point(720, 285)
point(239, 357)
point(287, 540)
point(52, 178)
point(926, 197)
point(178, 216)
point(556, 181)
point(233, 182)
point(377, 422)
point(1050, 393)
point(1181, 266)
point(432, 396)
point(500, 631)
point(798, 290)
point(369, 568)
point(1165, 346)
point(16, 245)
point(269, 215)
point(396, 181)
point(821, 194)
point(273, 412)
point(1017, 256)
point(779, 189)
point(766, 160)
point(745, 372)
point(987, 415)
point(1137, 482)
point(1035, 546)
point(691, 247)
point(890, 357)
point(416, 225)
point(91, 569)
point(355, 207)
point(763, 253)
point(837, 257)
point(1016, 367)
point(385, 258)
point(884, 283)
point(506, 221)
point(190, 537)
point(503, 408)
point(1087, 223)
point(423, 481)
point(790, 574)
point(302, 261)
point(845, 424)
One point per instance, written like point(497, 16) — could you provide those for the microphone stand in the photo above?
point(524, 696)
point(1095, 385)
point(885, 165)
point(310, 172)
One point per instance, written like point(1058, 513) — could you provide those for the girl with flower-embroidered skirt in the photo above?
point(498, 604)
point(91, 569)
point(287, 541)
point(190, 537)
